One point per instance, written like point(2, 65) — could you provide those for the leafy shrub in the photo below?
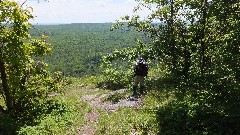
point(54, 117)
point(198, 113)
point(115, 79)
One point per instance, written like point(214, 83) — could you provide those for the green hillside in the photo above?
point(78, 48)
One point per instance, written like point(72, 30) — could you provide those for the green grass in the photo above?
point(124, 120)
point(128, 120)
point(142, 119)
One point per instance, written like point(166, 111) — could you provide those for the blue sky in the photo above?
point(80, 11)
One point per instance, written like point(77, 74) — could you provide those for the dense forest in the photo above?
point(78, 78)
point(78, 48)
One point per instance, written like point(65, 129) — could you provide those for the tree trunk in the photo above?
point(5, 87)
point(172, 38)
point(187, 56)
point(202, 42)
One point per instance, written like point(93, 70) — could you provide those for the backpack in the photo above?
point(141, 68)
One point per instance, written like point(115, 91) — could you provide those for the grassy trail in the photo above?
point(102, 105)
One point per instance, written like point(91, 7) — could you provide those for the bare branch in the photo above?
point(23, 3)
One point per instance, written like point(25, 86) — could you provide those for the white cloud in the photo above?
point(101, 3)
point(80, 11)
point(132, 2)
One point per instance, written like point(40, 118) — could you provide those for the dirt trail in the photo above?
point(96, 101)
point(92, 120)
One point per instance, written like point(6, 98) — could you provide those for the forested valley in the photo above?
point(78, 48)
point(78, 78)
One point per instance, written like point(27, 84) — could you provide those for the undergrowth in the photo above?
point(54, 116)
point(58, 118)
point(62, 114)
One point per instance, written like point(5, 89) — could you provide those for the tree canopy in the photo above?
point(195, 38)
point(24, 81)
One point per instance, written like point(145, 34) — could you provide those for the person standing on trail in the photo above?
point(140, 71)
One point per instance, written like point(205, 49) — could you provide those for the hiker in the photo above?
point(140, 71)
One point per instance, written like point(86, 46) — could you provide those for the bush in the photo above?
point(115, 79)
point(198, 113)
point(54, 117)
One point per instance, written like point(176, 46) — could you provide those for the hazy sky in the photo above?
point(80, 11)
